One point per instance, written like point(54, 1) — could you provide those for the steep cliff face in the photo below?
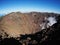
point(17, 23)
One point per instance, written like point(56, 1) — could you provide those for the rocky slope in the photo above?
point(48, 36)
point(17, 23)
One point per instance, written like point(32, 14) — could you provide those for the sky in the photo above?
point(8, 6)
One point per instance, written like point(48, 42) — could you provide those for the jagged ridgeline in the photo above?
point(34, 28)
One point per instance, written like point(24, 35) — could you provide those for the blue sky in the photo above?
point(8, 6)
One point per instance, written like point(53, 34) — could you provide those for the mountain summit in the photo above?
point(17, 23)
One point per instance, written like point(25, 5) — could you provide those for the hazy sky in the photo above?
point(7, 6)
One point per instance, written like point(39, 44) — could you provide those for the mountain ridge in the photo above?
point(17, 23)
